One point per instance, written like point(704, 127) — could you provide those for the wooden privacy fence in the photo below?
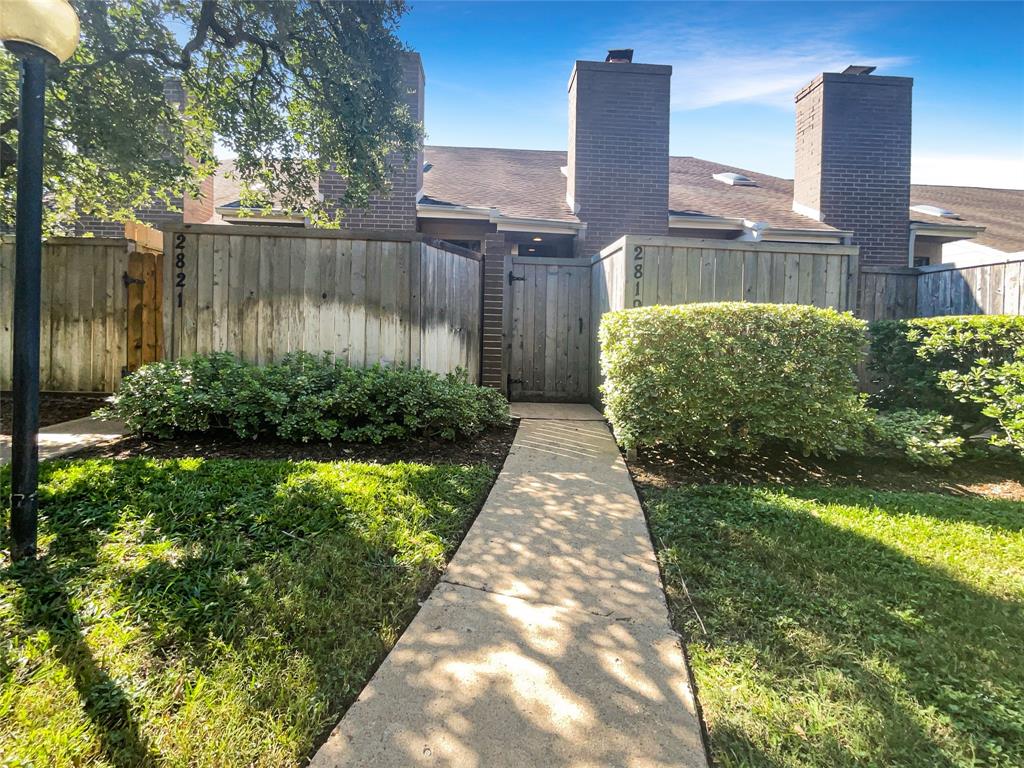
point(100, 309)
point(261, 292)
point(990, 288)
point(643, 271)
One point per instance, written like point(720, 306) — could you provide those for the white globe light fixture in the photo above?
point(38, 32)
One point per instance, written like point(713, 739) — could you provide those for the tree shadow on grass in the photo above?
point(661, 467)
point(850, 651)
point(277, 561)
point(44, 605)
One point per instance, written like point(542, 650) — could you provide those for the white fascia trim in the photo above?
point(683, 221)
point(550, 226)
point(927, 229)
point(758, 231)
point(427, 211)
point(806, 210)
point(502, 223)
point(804, 236)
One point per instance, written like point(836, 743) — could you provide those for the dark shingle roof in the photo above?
point(523, 183)
point(1000, 211)
point(691, 189)
point(526, 183)
point(530, 184)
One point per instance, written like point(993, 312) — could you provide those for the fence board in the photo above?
point(992, 288)
point(86, 314)
point(684, 270)
point(262, 296)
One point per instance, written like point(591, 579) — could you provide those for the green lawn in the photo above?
point(847, 626)
point(213, 613)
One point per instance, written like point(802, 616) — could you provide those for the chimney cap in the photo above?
point(620, 56)
point(856, 69)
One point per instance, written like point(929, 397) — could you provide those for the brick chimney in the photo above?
point(397, 209)
point(195, 209)
point(618, 148)
point(853, 159)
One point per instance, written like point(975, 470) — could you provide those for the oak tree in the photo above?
point(290, 88)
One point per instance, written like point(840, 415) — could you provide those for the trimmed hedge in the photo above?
point(303, 398)
point(732, 376)
point(908, 358)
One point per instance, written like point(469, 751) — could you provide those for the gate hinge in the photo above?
point(128, 280)
point(512, 278)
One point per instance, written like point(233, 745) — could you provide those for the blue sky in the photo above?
point(497, 73)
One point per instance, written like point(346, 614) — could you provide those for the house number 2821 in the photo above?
point(179, 265)
point(638, 276)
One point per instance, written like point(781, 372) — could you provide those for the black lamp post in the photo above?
point(37, 32)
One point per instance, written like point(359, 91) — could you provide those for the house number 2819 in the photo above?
point(179, 265)
point(638, 276)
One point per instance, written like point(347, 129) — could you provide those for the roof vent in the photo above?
point(620, 56)
point(854, 69)
point(934, 210)
point(734, 179)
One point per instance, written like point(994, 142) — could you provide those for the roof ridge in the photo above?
point(497, 149)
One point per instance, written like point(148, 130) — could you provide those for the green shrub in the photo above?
point(732, 376)
point(920, 437)
point(908, 357)
point(302, 398)
point(999, 390)
point(190, 395)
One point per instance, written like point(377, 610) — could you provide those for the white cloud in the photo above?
point(726, 59)
point(968, 170)
point(767, 76)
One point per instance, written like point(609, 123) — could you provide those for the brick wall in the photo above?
point(853, 160)
point(492, 365)
point(618, 149)
point(395, 210)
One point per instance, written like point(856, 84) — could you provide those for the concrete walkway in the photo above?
point(547, 643)
point(68, 437)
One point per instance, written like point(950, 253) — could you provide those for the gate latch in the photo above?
point(127, 280)
point(512, 277)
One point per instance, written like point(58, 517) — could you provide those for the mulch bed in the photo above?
point(994, 477)
point(489, 448)
point(54, 407)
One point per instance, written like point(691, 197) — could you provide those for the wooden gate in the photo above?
point(99, 313)
point(549, 329)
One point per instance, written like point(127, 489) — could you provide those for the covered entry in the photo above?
point(549, 329)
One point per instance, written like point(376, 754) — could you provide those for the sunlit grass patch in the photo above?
point(847, 626)
point(220, 612)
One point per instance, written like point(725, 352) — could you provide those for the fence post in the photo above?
point(492, 358)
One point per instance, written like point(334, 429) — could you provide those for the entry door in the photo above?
point(549, 334)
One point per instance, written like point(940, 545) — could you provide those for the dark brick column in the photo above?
point(396, 208)
point(617, 169)
point(492, 365)
point(853, 160)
